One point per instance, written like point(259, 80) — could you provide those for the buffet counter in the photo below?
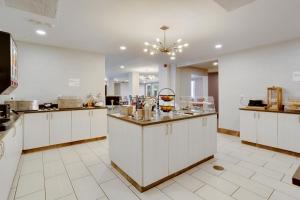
point(148, 153)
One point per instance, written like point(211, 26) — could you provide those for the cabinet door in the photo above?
point(81, 125)
point(267, 128)
point(178, 146)
point(7, 163)
point(211, 135)
point(60, 127)
point(248, 125)
point(36, 130)
point(196, 145)
point(155, 154)
point(289, 132)
point(98, 123)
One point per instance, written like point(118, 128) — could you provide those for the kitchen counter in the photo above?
point(148, 153)
point(62, 109)
point(273, 111)
point(160, 118)
point(7, 124)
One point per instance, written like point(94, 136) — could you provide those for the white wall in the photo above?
point(44, 72)
point(249, 73)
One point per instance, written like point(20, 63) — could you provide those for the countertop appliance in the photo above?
point(8, 64)
point(4, 111)
point(23, 105)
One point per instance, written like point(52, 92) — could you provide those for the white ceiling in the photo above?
point(104, 25)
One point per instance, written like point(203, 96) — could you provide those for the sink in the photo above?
point(4, 121)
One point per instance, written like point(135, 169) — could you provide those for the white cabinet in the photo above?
point(10, 153)
point(98, 123)
point(36, 130)
point(267, 129)
point(202, 138)
point(259, 127)
point(178, 146)
point(210, 144)
point(81, 125)
point(60, 127)
point(289, 132)
point(248, 126)
point(196, 139)
point(50, 128)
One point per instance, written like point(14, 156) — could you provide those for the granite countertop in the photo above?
point(62, 109)
point(159, 118)
point(274, 111)
point(7, 124)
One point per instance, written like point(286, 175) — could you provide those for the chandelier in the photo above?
point(163, 47)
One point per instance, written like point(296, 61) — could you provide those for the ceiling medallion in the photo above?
point(163, 47)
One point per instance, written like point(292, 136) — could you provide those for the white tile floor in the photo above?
point(83, 172)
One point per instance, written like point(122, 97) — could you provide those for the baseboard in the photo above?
point(145, 188)
point(272, 148)
point(229, 132)
point(62, 145)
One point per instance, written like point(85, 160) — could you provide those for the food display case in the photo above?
point(166, 100)
point(293, 104)
point(197, 103)
point(275, 98)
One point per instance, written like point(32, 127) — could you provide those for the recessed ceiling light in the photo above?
point(145, 50)
point(218, 46)
point(215, 63)
point(122, 66)
point(123, 47)
point(179, 40)
point(40, 32)
point(186, 45)
point(172, 58)
point(146, 43)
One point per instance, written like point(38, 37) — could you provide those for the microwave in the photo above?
point(8, 64)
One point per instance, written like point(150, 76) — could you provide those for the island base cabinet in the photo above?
point(210, 143)
point(289, 132)
point(155, 153)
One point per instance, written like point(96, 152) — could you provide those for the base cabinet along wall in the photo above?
point(279, 130)
point(60, 127)
point(289, 132)
point(36, 130)
point(81, 125)
point(98, 129)
point(10, 153)
point(259, 127)
point(50, 128)
point(248, 126)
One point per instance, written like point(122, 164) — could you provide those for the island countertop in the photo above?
point(158, 119)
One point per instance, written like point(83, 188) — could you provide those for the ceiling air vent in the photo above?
point(45, 8)
point(231, 5)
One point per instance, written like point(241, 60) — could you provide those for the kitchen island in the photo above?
point(148, 153)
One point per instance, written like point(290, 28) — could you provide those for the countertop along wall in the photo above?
point(44, 72)
point(249, 73)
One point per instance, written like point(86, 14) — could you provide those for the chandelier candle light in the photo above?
point(163, 47)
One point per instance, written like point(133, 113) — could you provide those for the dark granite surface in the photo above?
point(280, 111)
point(158, 119)
point(62, 109)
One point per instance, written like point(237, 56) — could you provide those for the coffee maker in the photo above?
point(4, 110)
